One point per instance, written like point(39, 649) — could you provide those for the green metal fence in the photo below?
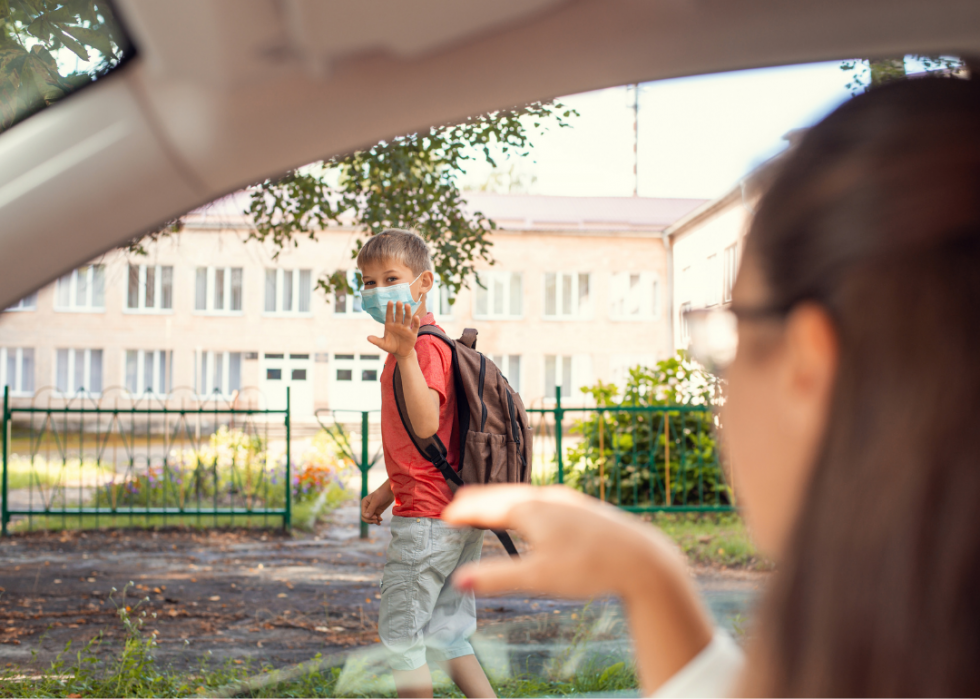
point(183, 459)
point(642, 458)
point(75, 461)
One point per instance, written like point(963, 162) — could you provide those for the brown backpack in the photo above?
point(494, 433)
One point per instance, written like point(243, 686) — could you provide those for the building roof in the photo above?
point(526, 211)
point(509, 211)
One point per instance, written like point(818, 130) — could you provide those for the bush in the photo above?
point(625, 453)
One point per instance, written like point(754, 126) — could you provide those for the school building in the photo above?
point(582, 289)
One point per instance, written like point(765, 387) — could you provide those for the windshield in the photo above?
point(49, 49)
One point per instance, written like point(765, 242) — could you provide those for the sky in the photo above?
point(697, 136)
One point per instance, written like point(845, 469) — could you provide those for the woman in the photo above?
point(852, 399)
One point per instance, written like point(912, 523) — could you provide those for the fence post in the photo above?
point(364, 467)
point(558, 416)
point(287, 518)
point(5, 424)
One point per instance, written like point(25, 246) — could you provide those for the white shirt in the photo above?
point(711, 673)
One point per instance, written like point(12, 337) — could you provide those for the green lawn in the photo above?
point(22, 474)
point(715, 539)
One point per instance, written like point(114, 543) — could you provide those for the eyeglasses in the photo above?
point(713, 333)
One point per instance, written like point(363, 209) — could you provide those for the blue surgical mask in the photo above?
point(375, 301)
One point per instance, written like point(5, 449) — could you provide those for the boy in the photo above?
point(422, 615)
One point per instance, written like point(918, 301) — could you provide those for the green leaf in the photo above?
point(97, 39)
point(610, 671)
point(4, 9)
point(73, 45)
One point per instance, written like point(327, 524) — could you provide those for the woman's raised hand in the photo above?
point(581, 548)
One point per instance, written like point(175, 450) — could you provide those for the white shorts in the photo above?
point(423, 618)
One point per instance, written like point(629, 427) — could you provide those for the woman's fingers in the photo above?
point(488, 506)
point(506, 506)
point(493, 576)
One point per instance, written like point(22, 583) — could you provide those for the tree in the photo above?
point(35, 35)
point(868, 73)
point(407, 182)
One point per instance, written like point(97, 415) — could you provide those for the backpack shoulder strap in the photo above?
point(430, 448)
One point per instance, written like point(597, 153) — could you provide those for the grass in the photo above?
point(22, 474)
point(306, 514)
point(714, 539)
point(133, 672)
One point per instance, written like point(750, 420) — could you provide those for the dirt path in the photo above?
point(236, 595)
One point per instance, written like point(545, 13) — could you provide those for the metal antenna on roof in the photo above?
point(636, 139)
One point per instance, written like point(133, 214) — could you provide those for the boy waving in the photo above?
point(422, 617)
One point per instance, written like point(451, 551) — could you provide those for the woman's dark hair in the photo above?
point(876, 216)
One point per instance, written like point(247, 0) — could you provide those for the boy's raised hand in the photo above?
point(401, 330)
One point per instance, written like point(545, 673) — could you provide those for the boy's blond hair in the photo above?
point(408, 247)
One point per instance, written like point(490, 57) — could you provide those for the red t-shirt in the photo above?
point(419, 488)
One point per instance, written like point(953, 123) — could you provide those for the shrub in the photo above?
point(625, 453)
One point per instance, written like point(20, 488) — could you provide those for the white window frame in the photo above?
point(296, 276)
point(713, 280)
point(157, 357)
point(28, 303)
point(141, 306)
point(561, 363)
point(578, 310)
point(72, 370)
point(440, 306)
point(351, 301)
point(647, 302)
point(87, 275)
point(505, 363)
point(489, 278)
point(209, 291)
point(729, 270)
point(205, 362)
point(685, 331)
point(16, 382)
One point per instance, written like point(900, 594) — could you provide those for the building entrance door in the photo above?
point(355, 382)
point(280, 370)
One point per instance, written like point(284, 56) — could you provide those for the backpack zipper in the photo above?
point(479, 392)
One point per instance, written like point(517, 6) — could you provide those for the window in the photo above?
point(218, 289)
point(685, 330)
point(81, 290)
point(634, 296)
point(510, 367)
point(349, 305)
point(568, 372)
point(288, 291)
point(498, 295)
point(148, 371)
point(438, 301)
point(219, 373)
point(567, 295)
point(78, 370)
point(17, 369)
point(730, 267)
point(150, 288)
point(28, 303)
point(713, 281)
